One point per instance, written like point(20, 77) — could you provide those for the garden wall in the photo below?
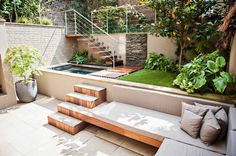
point(155, 44)
point(49, 40)
point(6, 79)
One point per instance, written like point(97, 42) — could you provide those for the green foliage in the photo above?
point(23, 61)
point(46, 21)
point(80, 57)
point(25, 11)
point(43, 21)
point(12, 9)
point(205, 72)
point(24, 20)
point(116, 19)
point(187, 21)
point(100, 62)
point(86, 6)
point(160, 62)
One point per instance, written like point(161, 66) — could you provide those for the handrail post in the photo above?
point(155, 14)
point(75, 23)
point(126, 20)
point(66, 23)
point(113, 60)
point(92, 21)
point(107, 22)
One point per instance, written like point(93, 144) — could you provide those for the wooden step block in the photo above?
point(90, 90)
point(73, 110)
point(82, 99)
point(75, 35)
point(66, 123)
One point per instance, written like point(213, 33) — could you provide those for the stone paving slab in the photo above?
point(24, 132)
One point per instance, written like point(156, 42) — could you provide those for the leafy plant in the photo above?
point(46, 21)
point(205, 72)
point(100, 62)
point(159, 62)
point(116, 21)
point(186, 21)
point(12, 9)
point(24, 20)
point(80, 57)
point(23, 61)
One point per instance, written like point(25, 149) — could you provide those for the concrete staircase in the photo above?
point(83, 99)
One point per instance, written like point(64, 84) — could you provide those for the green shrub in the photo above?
point(100, 62)
point(159, 62)
point(80, 57)
point(46, 21)
point(24, 20)
point(23, 61)
point(204, 73)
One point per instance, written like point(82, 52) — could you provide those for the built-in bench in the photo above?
point(151, 123)
point(152, 118)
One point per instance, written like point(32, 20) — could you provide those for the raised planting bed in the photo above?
point(153, 77)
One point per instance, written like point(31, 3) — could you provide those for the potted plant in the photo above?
point(23, 61)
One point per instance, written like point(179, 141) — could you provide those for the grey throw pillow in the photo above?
point(222, 119)
point(210, 128)
point(214, 109)
point(201, 111)
point(191, 123)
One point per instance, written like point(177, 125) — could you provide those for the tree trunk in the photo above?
point(180, 57)
point(15, 10)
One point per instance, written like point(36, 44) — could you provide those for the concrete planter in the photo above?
point(26, 92)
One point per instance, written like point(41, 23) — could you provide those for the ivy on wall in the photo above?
point(86, 6)
point(113, 19)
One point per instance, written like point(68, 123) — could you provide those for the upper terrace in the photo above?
point(125, 74)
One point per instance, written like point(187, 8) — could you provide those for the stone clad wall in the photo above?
point(49, 40)
point(55, 10)
point(136, 49)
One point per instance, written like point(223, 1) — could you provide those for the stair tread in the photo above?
point(82, 96)
point(65, 119)
point(91, 87)
point(76, 108)
point(107, 56)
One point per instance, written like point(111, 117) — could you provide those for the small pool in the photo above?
point(76, 69)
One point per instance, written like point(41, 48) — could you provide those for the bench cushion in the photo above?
point(150, 123)
point(170, 148)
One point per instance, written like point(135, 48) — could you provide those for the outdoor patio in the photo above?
point(24, 131)
point(117, 78)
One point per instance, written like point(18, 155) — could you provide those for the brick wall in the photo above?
point(49, 40)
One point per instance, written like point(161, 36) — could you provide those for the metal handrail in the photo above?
point(75, 14)
point(91, 23)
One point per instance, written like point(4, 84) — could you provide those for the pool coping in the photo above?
point(218, 98)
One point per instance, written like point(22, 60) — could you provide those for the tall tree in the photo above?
point(184, 20)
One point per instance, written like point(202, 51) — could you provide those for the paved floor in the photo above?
point(24, 132)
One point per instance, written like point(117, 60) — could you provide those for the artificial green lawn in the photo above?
point(153, 77)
